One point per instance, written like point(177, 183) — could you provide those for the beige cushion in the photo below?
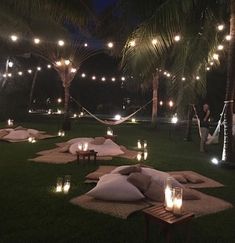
point(3, 133)
point(189, 194)
point(155, 192)
point(193, 179)
point(98, 140)
point(180, 178)
point(65, 148)
point(20, 128)
point(115, 187)
point(139, 180)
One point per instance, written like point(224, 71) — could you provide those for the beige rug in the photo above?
point(39, 137)
point(206, 205)
point(207, 182)
point(117, 209)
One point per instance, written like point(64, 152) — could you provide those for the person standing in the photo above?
point(204, 126)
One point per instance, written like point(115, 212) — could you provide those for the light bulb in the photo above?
point(220, 27)
point(14, 38)
point(36, 40)
point(177, 38)
point(110, 45)
point(60, 42)
point(67, 62)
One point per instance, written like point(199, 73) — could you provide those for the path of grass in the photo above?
point(31, 212)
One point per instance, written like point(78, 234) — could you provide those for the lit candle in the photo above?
point(139, 156)
point(85, 146)
point(133, 120)
point(109, 131)
point(145, 154)
point(30, 139)
point(10, 122)
point(145, 144)
point(169, 194)
point(139, 146)
point(177, 200)
point(59, 184)
point(80, 147)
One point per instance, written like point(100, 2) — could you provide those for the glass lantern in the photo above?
point(177, 200)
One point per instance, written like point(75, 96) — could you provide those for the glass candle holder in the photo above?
point(80, 147)
point(145, 154)
point(168, 194)
point(109, 131)
point(177, 200)
point(139, 157)
point(67, 183)
point(85, 146)
point(145, 144)
point(139, 146)
point(59, 184)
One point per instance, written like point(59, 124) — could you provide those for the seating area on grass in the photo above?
point(107, 211)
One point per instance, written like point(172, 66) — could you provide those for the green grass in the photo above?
point(32, 212)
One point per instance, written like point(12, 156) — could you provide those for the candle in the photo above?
point(139, 156)
point(109, 131)
point(85, 146)
point(133, 120)
point(168, 194)
point(145, 154)
point(139, 146)
point(66, 187)
point(177, 200)
point(10, 122)
point(80, 146)
point(145, 144)
point(59, 184)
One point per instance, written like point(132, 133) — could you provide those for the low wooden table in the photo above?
point(112, 137)
point(86, 154)
point(167, 220)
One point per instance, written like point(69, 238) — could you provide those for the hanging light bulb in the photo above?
point(93, 77)
point(177, 38)
point(123, 78)
point(83, 75)
point(73, 70)
point(220, 27)
point(10, 64)
point(58, 63)
point(132, 43)
point(161, 103)
point(14, 38)
point(211, 63)
point(228, 37)
point(154, 41)
point(39, 68)
point(29, 71)
point(215, 56)
point(36, 41)
point(85, 44)
point(208, 68)
point(183, 78)
point(9, 75)
point(60, 42)
point(171, 103)
point(113, 79)
point(110, 45)
point(197, 77)
point(67, 62)
point(220, 47)
point(103, 79)
point(49, 66)
point(20, 73)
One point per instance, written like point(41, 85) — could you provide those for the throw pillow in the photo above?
point(139, 180)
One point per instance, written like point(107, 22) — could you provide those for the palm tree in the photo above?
point(167, 18)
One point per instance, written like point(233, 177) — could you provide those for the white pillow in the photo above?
point(116, 170)
point(33, 131)
point(115, 187)
point(80, 140)
point(17, 135)
point(159, 176)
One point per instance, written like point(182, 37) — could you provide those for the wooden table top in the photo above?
point(160, 213)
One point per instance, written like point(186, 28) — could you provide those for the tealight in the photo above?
point(145, 144)
point(67, 184)
point(145, 154)
point(169, 194)
point(10, 122)
point(59, 184)
point(109, 131)
point(177, 200)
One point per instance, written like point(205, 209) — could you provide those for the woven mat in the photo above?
point(206, 205)
point(117, 209)
point(39, 137)
point(207, 182)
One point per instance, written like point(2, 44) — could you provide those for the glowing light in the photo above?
point(117, 117)
point(30, 111)
point(139, 145)
point(220, 47)
point(60, 42)
point(168, 75)
point(10, 64)
point(85, 44)
point(20, 73)
point(58, 63)
point(197, 77)
point(81, 114)
point(110, 45)
point(139, 156)
point(9, 75)
point(211, 63)
point(145, 154)
point(123, 78)
point(215, 161)
point(161, 103)
point(171, 103)
point(73, 70)
point(208, 68)
point(10, 122)
point(59, 111)
point(75, 115)
point(215, 56)
point(154, 41)
point(4, 75)
point(177, 38)
point(83, 75)
point(59, 184)
point(174, 119)
point(39, 68)
point(61, 133)
point(36, 41)
point(14, 38)
point(109, 131)
point(67, 62)
point(67, 184)
point(133, 120)
point(113, 79)
point(49, 66)
point(228, 37)
point(220, 27)
point(103, 79)
point(183, 78)
point(132, 43)
point(59, 100)
point(93, 77)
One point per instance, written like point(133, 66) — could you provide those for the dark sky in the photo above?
point(102, 4)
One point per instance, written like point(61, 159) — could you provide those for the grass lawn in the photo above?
point(31, 212)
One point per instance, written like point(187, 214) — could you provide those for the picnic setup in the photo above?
point(117, 121)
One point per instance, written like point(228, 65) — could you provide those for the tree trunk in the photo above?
point(188, 136)
point(155, 82)
point(228, 150)
point(32, 88)
point(66, 124)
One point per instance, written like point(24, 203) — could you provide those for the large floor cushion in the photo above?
point(17, 135)
point(115, 187)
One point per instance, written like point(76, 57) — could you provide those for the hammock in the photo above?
point(112, 123)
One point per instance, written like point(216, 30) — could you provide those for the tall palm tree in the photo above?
point(167, 18)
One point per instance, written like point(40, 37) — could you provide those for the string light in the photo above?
point(85, 44)
point(49, 66)
point(215, 56)
point(110, 45)
point(14, 38)
point(208, 68)
point(60, 42)
point(123, 78)
point(36, 41)
point(171, 103)
point(10, 64)
point(220, 47)
point(197, 77)
point(73, 70)
point(58, 63)
point(183, 78)
point(211, 63)
point(220, 27)
point(103, 79)
point(9, 75)
point(228, 37)
point(154, 41)
point(29, 71)
point(113, 79)
point(177, 38)
point(39, 68)
point(161, 103)
point(132, 43)
point(93, 77)
point(20, 73)
point(83, 75)
point(67, 62)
